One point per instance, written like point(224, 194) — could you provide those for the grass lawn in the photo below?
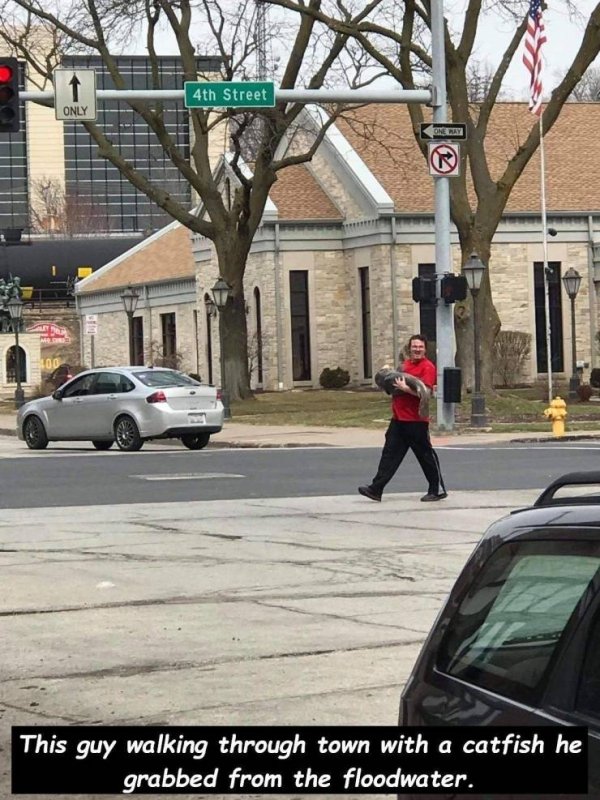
point(508, 409)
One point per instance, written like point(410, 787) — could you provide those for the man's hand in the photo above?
point(400, 383)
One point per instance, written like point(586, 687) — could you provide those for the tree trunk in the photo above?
point(233, 329)
point(489, 323)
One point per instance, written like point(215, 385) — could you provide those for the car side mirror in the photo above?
point(57, 395)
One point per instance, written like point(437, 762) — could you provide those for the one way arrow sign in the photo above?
point(453, 131)
point(75, 94)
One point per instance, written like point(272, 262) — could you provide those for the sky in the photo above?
point(564, 37)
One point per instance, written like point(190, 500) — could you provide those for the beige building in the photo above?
point(329, 278)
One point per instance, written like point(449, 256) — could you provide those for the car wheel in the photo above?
point(34, 434)
point(102, 445)
point(195, 441)
point(127, 435)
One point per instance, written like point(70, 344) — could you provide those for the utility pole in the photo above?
point(444, 314)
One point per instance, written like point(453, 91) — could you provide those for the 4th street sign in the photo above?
point(456, 132)
point(229, 94)
point(75, 94)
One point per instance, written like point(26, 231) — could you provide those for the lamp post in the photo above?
point(130, 300)
point(15, 309)
point(221, 291)
point(473, 270)
point(572, 281)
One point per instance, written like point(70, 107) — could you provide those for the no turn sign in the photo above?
point(444, 159)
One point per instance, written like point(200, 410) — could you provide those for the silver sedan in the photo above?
point(126, 405)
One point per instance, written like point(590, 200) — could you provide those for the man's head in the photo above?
point(417, 347)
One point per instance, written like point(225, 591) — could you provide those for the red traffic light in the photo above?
point(6, 73)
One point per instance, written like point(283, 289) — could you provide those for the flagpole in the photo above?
point(546, 268)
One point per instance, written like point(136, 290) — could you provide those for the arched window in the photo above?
point(11, 365)
point(259, 342)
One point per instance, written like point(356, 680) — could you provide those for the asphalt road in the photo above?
point(78, 475)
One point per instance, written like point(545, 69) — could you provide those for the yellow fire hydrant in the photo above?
point(556, 413)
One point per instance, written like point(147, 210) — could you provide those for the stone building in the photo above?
point(329, 278)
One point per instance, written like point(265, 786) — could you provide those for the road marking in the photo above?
point(188, 477)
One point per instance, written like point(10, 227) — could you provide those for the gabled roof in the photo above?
point(298, 196)
point(384, 138)
point(167, 255)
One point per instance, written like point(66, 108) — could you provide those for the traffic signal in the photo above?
point(423, 290)
point(9, 95)
point(453, 288)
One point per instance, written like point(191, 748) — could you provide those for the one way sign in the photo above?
point(444, 159)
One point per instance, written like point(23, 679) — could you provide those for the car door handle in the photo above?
point(77, 400)
point(111, 397)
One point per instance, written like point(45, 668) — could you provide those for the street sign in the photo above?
point(75, 94)
point(229, 94)
point(456, 132)
point(91, 324)
point(444, 159)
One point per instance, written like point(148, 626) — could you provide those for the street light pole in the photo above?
point(130, 300)
point(221, 291)
point(15, 309)
point(572, 281)
point(473, 270)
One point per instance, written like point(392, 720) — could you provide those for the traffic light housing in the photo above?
point(453, 288)
point(423, 289)
point(9, 95)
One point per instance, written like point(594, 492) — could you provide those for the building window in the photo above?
point(259, 341)
point(427, 321)
point(169, 336)
point(556, 329)
point(11, 365)
point(365, 316)
point(137, 336)
point(300, 325)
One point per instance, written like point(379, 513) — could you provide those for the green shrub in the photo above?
point(334, 378)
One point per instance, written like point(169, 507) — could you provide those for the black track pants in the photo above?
point(399, 438)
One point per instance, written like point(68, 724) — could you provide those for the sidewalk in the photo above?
point(238, 434)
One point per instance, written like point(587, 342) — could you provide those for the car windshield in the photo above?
point(165, 378)
point(509, 624)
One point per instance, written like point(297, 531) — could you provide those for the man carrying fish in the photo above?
point(409, 426)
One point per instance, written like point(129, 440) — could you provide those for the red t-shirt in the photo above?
point(405, 407)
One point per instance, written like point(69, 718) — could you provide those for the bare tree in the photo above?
point(100, 27)
point(588, 88)
point(396, 35)
point(59, 212)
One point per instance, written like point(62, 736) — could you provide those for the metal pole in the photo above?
point(444, 316)
point(19, 394)
point(546, 267)
point(574, 382)
point(130, 330)
point(478, 415)
point(224, 392)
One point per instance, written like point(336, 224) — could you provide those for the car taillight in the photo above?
point(219, 394)
point(157, 397)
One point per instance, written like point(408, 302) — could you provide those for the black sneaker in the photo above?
point(366, 491)
point(431, 498)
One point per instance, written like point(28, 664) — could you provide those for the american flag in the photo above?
point(532, 57)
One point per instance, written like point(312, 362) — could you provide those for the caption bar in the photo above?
point(287, 760)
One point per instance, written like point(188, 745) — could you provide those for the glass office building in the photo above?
point(101, 198)
point(94, 183)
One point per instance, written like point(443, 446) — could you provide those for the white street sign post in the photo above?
point(91, 324)
point(444, 159)
point(91, 329)
point(75, 94)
